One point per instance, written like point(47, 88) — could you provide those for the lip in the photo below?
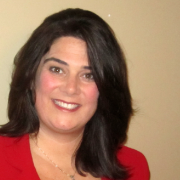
point(66, 106)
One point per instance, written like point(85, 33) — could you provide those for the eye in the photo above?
point(56, 70)
point(88, 77)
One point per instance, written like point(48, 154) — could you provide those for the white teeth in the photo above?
point(65, 105)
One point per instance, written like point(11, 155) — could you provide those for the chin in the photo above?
point(68, 128)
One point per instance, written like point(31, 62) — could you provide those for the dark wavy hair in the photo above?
point(107, 129)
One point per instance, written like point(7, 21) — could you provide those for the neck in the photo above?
point(60, 138)
point(56, 149)
point(58, 145)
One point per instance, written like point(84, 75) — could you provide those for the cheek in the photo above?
point(45, 83)
point(91, 94)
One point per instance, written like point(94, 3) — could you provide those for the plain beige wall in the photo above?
point(149, 32)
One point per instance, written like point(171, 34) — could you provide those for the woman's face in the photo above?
point(66, 94)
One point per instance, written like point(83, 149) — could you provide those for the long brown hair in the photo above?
point(107, 129)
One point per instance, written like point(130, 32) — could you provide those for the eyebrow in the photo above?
point(56, 60)
point(63, 62)
point(87, 67)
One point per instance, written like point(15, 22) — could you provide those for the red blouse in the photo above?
point(16, 160)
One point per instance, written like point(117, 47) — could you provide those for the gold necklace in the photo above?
point(72, 177)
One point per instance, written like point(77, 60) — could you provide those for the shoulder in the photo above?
point(127, 154)
point(135, 162)
point(12, 145)
point(6, 141)
point(15, 158)
point(11, 149)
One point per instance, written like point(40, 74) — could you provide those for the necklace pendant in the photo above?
point(72, 177)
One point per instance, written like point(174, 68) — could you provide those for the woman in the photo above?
point(69, 105)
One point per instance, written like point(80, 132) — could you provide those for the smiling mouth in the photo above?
point(64, 105)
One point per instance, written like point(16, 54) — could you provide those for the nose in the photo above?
point(71, 86)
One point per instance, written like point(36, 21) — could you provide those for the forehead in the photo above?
point(70, 45)
point(68, 49)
